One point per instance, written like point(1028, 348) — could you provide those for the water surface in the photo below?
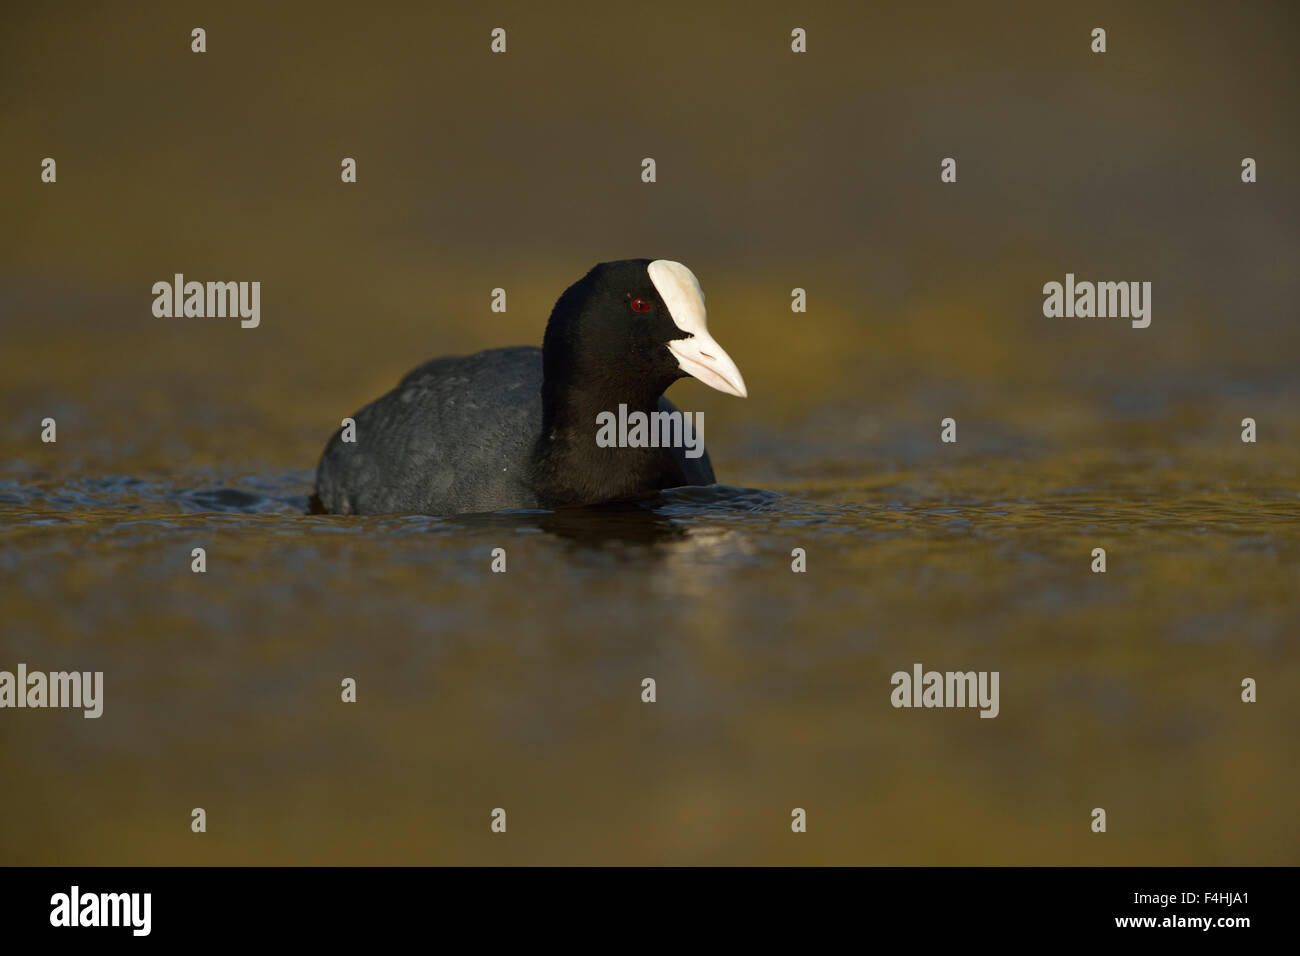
point(522, 690)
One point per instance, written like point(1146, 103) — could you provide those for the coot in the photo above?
point(518, 427)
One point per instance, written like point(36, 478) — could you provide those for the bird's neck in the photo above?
point(571, 467)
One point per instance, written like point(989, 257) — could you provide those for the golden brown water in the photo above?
point(523, 690)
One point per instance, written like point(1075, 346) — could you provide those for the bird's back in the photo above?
point(456, 436)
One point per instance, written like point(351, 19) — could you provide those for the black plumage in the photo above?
point(516, 427)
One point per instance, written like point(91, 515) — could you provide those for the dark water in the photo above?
point(521, 689)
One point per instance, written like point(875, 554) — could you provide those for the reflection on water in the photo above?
point(522, 690)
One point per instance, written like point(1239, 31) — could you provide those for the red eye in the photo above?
point(640, 305)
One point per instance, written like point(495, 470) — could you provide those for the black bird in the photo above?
point(518, 427)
